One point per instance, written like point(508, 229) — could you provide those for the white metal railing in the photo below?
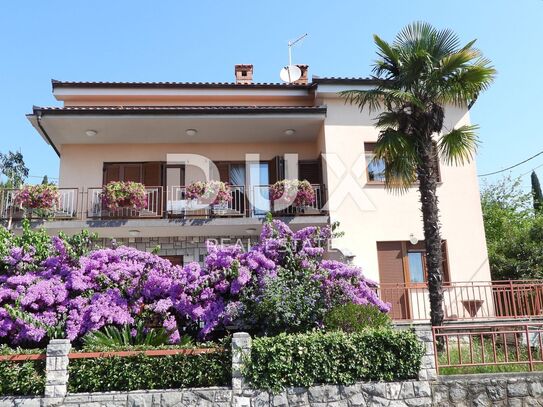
point(96, 208)
point(65, 208)
point(262, 203)
point(177, 203)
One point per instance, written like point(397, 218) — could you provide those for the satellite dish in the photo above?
point(290, 73)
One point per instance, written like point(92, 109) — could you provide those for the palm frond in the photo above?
point(361, 98)
point(399, 154)
point(459, 145)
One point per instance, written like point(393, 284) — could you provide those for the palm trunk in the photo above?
point(428, 178)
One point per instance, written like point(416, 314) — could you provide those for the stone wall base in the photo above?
point(520, 389)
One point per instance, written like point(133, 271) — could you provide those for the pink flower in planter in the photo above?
point(293, 191)
point(210, 192)
point(37, 197)
point(121, 195)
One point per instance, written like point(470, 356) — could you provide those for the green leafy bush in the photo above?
point(291, 302)
point(128, 335)
point(335, 357)
point(144, 373)
point(355, 318)
point(21, 378)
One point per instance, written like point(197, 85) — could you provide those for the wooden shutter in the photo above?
point(310, 170)
point(392, 278)
point(224, 171)
point(131, 172)
point(175, 260)
point(112, 172)
point(152, 174)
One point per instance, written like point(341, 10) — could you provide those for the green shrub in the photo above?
point(355, 318)
point(335, 358)
point(291, 302)
point(21, 378)
point(144, 373)
point(128, 335)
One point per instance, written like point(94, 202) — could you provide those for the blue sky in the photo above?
point(202, 40)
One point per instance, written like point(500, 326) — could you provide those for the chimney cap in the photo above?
point(243, 73)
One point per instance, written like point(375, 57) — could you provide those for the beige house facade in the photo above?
point(250, 135)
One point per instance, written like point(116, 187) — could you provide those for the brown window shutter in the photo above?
point(131, 172)
point(175, 260)
point(390, 259)
point(392, 278)
point(310, 170)
point(152, 174)
point(112, 172)
point(224, 171)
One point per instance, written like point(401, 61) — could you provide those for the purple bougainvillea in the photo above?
point(123, 285)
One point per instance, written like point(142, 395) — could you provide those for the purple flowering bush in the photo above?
point(280, 284)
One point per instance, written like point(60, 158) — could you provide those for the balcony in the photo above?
point(467, 300)
point(162, 203)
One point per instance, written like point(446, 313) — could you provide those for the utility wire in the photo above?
point(511, 167)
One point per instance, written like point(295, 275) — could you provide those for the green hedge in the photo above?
point(334, 357)
point(144, 373)
point(21, 378)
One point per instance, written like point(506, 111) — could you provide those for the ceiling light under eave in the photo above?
point(134, 232)
point(91, 133)
point(290, 132)
point(191, 132)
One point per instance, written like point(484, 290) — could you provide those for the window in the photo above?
point(403, 262)
point(416, 261)
point(374, 168)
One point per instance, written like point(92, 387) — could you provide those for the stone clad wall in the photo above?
point(472, 390)
point(519, 389)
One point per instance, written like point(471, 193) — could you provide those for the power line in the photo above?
point(511, 167)
point(533, 169)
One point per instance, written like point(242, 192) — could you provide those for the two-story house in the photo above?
point(253, 134)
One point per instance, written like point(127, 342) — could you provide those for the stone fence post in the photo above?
point(428, 369)
point(56, 369)
point(241, 349)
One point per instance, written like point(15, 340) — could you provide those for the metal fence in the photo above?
point(459, 348)
point(472, 300)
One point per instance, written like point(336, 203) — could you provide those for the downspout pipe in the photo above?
point(38, 120)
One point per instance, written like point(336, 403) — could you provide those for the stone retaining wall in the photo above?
point(517, 389)
point(473, 390)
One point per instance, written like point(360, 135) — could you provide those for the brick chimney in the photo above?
point(244, 74)
point(303, 78)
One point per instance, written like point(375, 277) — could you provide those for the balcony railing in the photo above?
point(66, 208)
point(467, 300)
point(97, 210)
point(74, 203)
point(177, 204)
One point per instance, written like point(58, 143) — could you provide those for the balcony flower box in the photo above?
point(215, 193)
point(293, 192)
point(42, 198)
point(118, 195)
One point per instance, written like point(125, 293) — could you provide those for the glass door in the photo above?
point(258, 184)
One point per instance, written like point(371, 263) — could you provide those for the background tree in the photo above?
point(13, 167)
point(536, 193)
point(417, 75)
point(514, 233)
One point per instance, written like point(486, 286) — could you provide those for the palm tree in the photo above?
point(416, 76)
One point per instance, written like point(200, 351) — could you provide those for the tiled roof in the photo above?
point(353, 80)
point(120, 110)
point(76, 84)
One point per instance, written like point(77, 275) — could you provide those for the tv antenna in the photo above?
point(291, 73)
